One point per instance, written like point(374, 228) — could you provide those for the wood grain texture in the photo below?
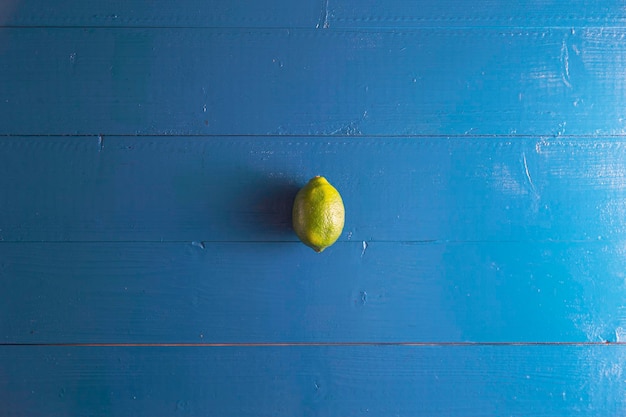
point(320, 14)
point(481, 13)
point(150, 152)
point(161, 13)
point(313, 381)
point(539, 81)
point(210, 189)
point(286, 293)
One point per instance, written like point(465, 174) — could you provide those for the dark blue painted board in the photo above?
point(312, 82)
point(285, 292)
point(162, 13)
point(313, 381)
point(322, 14)
point(241, 189)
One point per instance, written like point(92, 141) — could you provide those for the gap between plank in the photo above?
point(283, 242)
point(337, 27)
point(319, 136)
point(318, 344)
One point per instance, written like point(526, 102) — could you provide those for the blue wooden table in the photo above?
point(149, 156)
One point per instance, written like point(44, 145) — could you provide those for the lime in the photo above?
point(318, 214)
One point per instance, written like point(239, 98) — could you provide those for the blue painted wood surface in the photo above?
point(260, 81)
point(281, 292)
point(315, 381)
point(220, 189)
point(149, 155)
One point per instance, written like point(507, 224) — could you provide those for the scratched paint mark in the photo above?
point(528, 177)
point(364, 248)
point(565, 76)
point(100, 143)
point(351, 128)
point(198, 244)
point(323, 22)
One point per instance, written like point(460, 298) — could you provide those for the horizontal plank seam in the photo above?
point(320, 344)
point(199, 243)
point(320, 136)
point(418, 26)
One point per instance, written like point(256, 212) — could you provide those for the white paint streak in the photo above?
point(528, 177)
point(364, 248)
point(198, 244)
point(565, 62)
point(351, 128)
point(323, 22)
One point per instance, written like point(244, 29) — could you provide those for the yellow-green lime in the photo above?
point(318, 214)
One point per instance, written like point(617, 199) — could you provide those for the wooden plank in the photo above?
point(312, 13)
point(162, 13)
point(241, 189)
point(285, 292)
point(313, 381)
point(432, 81)
point(481, 13)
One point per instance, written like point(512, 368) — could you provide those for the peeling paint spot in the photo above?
point(198, 244)
point(363, 295)
point(620, 335)
point(351, 128)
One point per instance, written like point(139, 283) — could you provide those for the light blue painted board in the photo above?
point(321, 14)
point(441, 381)
point(241, 189)
point(539, 81)
point(482, 13)
point(285, 292)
